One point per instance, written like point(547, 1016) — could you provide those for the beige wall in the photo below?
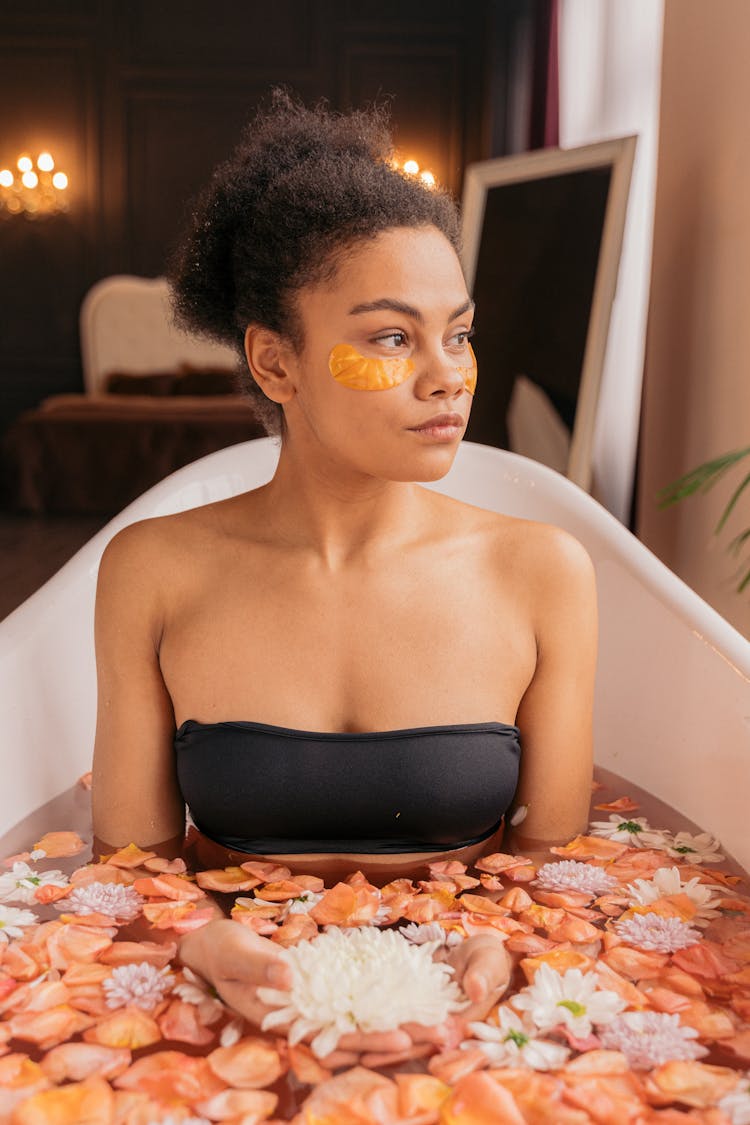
point(696, 401)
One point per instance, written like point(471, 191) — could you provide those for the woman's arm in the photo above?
point(555, 714)
point(135, 794)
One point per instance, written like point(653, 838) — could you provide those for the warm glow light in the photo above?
point(6, 178)
point(411, 167)
point(60, 181)
point(427, 179)
point(25, 164)
point(44, 162)
point(29, 179)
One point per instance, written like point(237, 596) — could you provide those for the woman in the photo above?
point(344, 654)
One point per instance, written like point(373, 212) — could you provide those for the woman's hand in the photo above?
point(237, 962)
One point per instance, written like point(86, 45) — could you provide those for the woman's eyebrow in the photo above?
point(401, 306)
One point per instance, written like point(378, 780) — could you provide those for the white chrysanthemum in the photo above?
point(736, 1104)
point(140, 985)
point(648, 1039)
point(232, 1032)
point(21, 883)
point(303, 904)
point(363, 979)
point(572, 998)
point(636, 832)
point(430, 931)
point(513, 1043)
point(702, 848)
point(667, 881)
point(12, 921)
point(652, 931)
point(113, 899)
point(569, 875)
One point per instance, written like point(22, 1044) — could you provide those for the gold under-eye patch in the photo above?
point(367, 373)
point(469, 374)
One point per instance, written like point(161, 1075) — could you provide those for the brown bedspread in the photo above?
point(88, 454)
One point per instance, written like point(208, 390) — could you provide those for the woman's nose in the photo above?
point(438, 377)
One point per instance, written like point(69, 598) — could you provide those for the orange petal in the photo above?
point(228, 880)
point(49, 1028)
point(450, 1066)
point(635, 964)
point(305, 1066)
point(129, 1027)
point(500, 861)
point(101, 873)
point(346, 1098)
point(250, 1106)
point(130, 856)
point(478, 1100)
point(73, 943)
point(124, 952)
point(266, 872)
point(621, 805)
point(694, 1083)
point(607, 1098)
point(178, 916)
point(82, 1103)
point(169, 1075)
point(419, 1092)
point(180, 1023)
point(598, 1062)
point(478, 904)
point(175, 887)
point(298, 927)
point(59, 845)
point(516, 900)
point(739, 1045)
point(75, 1061)
point(575, 930)
point(558, 959)
point(250, 1064)
point(344, 905)
point(591, 847)
point(160, 863)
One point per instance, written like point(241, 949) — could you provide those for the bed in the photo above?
point(155, 398)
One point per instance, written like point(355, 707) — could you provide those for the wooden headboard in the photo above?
point(126, 326)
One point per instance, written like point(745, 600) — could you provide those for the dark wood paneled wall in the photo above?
point(139, 99)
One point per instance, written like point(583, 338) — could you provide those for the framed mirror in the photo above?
point(542, 236)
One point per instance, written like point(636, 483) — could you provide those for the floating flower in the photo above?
point(636, 832)
point(736, 1104)
point(570, 875)
point(12, 921)
point(667, 881)
point(140, 986)
point(363, 979)
point(194, 990)
point(702, 848)
point(113, 899)
point(572, 998)
point(21, 883)
point(648, 1039)
point(652, 931)
point(513, 1043)
point(430, 931)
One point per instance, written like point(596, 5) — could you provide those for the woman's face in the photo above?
point(399, 296)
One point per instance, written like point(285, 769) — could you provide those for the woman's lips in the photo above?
point(442, 427)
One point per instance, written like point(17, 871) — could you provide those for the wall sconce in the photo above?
point(35, 190)
point(411, 167)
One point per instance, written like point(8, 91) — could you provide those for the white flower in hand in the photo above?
point(572, 998)
point(513, 1043)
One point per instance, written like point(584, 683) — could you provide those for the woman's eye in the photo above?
point(462, 338)
point(392, 339)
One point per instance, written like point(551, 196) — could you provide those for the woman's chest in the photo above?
point(370, 649)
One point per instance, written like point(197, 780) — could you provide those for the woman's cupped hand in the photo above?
point(238, 962)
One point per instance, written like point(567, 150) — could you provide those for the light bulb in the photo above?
point(411, 167)
point(60, 181)
point(25, 164)
point(6, 178)
point(29, 179)
point(427, 179)
point(44, 162)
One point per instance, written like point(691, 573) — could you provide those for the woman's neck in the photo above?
point(313, 506)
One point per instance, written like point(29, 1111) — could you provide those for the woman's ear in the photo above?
point(270, 361)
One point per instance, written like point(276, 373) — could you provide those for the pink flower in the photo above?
point(139, 985)
point(651, 931)
point(649, 1039)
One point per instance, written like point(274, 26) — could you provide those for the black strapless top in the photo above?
point(265, 789)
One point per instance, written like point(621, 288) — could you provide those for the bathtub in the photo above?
point(672, 710)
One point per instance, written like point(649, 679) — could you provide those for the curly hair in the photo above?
point(301, 187)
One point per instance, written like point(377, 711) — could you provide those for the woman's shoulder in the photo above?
point(538, 547)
